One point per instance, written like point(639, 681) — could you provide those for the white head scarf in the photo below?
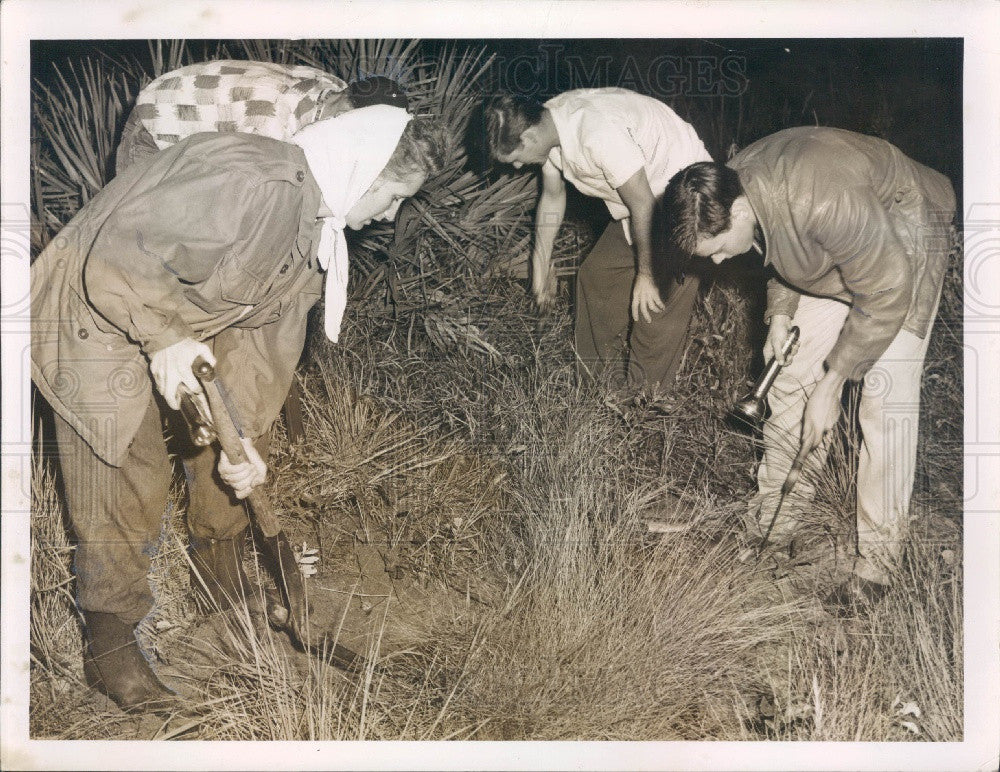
point(345, 155)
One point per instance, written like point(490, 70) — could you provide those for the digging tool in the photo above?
point(786, 487)
point(752, 408)
point(293, 617)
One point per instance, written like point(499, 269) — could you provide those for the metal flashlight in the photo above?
point(753, 407)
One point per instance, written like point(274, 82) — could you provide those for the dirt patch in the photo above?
point(353, 596)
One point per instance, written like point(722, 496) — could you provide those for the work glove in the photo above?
point(243, 478)
point(172, 366)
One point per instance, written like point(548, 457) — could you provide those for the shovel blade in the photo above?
point(294, 617)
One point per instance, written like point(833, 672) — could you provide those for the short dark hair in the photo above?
point(423, 147)
point(697, 204)
point(507, 117)
point(377, 90)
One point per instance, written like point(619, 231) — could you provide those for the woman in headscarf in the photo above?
point(214, 247)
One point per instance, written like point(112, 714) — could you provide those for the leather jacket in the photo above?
point(849, 216)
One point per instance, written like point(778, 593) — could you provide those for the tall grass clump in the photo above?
point(600, 633)
point(580, 627)
point(883, 673)
point(422, 500)
point(56, 662)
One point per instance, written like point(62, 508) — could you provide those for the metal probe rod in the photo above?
point(786, 487)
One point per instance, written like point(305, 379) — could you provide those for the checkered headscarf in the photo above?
point(273, 100)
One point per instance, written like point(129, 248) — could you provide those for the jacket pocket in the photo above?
point(89, 329)
point(247, 278)
point(242, 281)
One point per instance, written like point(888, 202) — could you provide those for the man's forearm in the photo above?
point(638, 198)
point(642, 239)
point(782, 300)
point(548, 219)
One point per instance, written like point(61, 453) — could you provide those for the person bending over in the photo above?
point(215, 247)
point(858, 236)
point(622, 148)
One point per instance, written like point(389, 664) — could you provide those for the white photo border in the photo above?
point(977, 22)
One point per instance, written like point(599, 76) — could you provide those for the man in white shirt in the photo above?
point(623, 148)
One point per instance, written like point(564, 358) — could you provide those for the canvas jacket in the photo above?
point(213, 239)
point(850, 217)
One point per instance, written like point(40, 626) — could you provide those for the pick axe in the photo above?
point(293, 616)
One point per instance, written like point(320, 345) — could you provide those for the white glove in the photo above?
point(243, 478)
point(171, 366)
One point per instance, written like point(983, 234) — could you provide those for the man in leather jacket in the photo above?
point(858, 236)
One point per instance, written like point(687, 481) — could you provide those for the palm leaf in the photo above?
point(76, 118)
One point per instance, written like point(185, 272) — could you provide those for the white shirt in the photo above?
point(607, 134)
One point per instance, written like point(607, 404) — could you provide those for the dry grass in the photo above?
point(602, 634)
point(582, 627)
point(885, 674)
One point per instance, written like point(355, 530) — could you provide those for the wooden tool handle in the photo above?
point(231, 442)
point(261, 512)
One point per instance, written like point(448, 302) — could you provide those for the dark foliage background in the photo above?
point(907, 91)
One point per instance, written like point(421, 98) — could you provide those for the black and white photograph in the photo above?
point(511, 386)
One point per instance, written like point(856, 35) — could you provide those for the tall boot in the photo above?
point(217, 576)
point(114, 665)
point(220, 583)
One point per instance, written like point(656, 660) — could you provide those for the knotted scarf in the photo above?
point(345, 154)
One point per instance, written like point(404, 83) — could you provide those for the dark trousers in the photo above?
point(604, 330)
point(117, 512)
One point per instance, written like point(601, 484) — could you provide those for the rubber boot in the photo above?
point(114, 665)
point(217, 576)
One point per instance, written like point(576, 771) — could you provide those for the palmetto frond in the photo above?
point(76, 118)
